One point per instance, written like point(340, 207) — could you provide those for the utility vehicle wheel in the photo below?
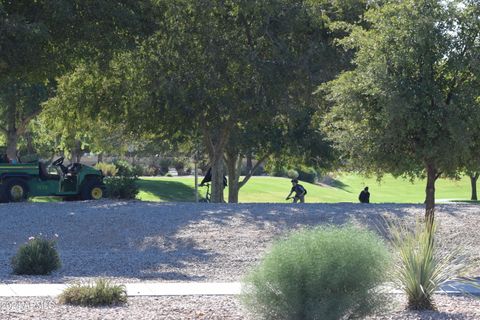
point(92, 190)
point(15, 190)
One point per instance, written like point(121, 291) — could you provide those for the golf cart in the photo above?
point(75, 181)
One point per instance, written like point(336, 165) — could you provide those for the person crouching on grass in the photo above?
point(299, 190)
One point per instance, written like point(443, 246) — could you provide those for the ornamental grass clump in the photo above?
point(38, 256)
point(102, 293)
point(323, 273)
point(421, 268)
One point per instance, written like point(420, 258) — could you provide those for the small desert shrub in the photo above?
point(324, 273)
point(108, 169)
point(121, 187)
point(36, 257)
point(292, 174)
point(102, 293)
point(421, 268)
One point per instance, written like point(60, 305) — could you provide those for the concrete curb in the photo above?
point(133, 289)
point(193, 288)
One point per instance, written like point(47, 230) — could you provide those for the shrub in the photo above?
point(292, 174)
point(108, 169)
point(278, 171)
point(180, 167)
point(149, 171)
point(307, 174)
point(137, 170)
point(169, 175)
point(421, 268)
point(101, 294)
point(324, 273)
point(121, 187)
point(125, 169)
point(164, 165)
point(37, 257)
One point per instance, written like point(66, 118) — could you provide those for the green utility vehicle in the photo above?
point(75, 181)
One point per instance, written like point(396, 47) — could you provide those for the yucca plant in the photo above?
point(421, 268)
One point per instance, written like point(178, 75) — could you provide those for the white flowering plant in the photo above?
point(38, 256)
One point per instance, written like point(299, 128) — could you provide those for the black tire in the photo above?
point(15, 190)
point(92, 190)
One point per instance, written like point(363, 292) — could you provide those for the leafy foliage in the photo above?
point(324, 273)
point(292, 174)
point(121, 187)
point(125, 169)
point(37, 257)
point(108, 169)
point(413, 93)
point(307, 174)
point(102, 293)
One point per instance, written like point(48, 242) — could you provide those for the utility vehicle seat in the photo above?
point(43, 173)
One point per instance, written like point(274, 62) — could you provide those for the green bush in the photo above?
point(149, 171)
point(103, 293)
point(37, 257)
point(108, 169)
point(125, 169)
point(292, 174)
point(324, 273)
point(307, 174)
point(164, 165)
point(421, 268)
point(121, 187)
point(278, 171)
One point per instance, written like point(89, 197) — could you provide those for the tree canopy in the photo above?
point(410, 99)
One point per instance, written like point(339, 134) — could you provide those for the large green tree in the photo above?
point(228, 72)
point(42, 39)
point(406, 106)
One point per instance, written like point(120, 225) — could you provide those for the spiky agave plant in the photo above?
point(421, 269)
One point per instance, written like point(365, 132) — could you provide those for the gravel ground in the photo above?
point(141, 241)
point(207, 307)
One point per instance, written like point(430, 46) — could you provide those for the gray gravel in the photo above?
point(142, 241)
point(209, 307)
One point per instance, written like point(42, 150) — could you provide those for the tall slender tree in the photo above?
point(406, 106)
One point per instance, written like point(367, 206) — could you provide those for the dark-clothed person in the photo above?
point(299, 191)
point(364, 196)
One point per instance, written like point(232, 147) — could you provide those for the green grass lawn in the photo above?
point(345, 188)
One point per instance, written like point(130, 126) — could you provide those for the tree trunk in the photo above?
point(432, 175)
point(217, 179)
point(249, 162)
point(216, 140)
point(234, 162)
point(473, 183)
point(30, 147)
point(77, 152)
point(12, 142)
point(100, 157)
point(234, 166)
